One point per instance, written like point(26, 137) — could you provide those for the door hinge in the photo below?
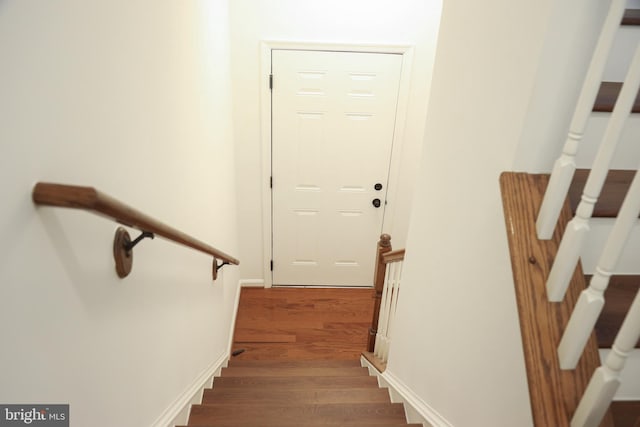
point(270, 182)
point(271, 265)
point(271, 81)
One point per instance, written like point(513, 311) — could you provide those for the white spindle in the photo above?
point(589, 305)
point(565, 166)
point(395, 289)
point(381, 335)
point(606, 379)
point(388, 306)
point(577, 229)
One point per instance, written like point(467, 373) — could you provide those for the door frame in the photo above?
point(266, 46)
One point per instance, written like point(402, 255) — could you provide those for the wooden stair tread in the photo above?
point(296, 382)
point(631, 17)
point(306, 424)
point(297, 414)
point(554, 393)
point(257, 371)
point(615, 188)
point(287, 393)
point(626, 413)
point(618, 298)
point(607, 96)
point(295, 363)
point(236, 396)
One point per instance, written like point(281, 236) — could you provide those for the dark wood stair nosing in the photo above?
point(332, 413)
point(297, 382)
point(618, 297)
point(631, 17)
point(608, 95)
point(241, 396)
point(613, 191)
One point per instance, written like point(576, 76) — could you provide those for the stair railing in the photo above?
point(387, 280)
point(606, 379)
point(90, 199)
point(565, 166)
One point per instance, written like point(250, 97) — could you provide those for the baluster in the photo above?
point(394, 303)
point(589, 305)
point(606, 379)
point(393, 283)
point(577, 229)
point(381, 337)
point(393, 274)
point(565, 166)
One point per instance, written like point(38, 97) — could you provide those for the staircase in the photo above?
point(281, 393)
point(554, 392)
point(622, 288)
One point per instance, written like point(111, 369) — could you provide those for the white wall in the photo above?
point(458, 346)
point(134, 99)
point(409, 22)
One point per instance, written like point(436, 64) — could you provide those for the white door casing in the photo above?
point(333, 122)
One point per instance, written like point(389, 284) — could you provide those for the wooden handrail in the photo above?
point(393, 256)
point(88, 198)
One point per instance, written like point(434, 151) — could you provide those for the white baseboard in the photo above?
point(178, 412)
point(416, 410)
point(252, 283)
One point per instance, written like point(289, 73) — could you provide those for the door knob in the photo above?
point(376, 203)
point(378, 187)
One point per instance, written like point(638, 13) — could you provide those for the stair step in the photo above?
point(296, 382)
point(295, 363)
point(615, 188)
point(607, 96)
point(618, 298)
point(626, 413)
point(259, 371)
point(341, 414)
point(236, 396)
point(631, 17)
point(554, 392)
point(306, 424)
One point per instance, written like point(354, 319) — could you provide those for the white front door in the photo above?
point(333, 118)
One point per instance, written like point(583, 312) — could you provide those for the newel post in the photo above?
point(384, 246)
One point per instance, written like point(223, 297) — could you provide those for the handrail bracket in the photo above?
point(133, 243)
point(123, 250)
point(217, 267)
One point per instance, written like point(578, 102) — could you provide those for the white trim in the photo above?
point(252, 283)
point(416, 410)
point(266, 46)
point(178, 412)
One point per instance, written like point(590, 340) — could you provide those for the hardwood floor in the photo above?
point(303, 323)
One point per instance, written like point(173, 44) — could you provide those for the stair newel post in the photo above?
point(577, 229)
point(606, 379)
point(384, 246)
point(589, 305)
point(565, 166)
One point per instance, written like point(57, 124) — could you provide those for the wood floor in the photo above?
point(302, 323)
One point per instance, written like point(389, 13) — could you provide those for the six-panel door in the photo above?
point(333, 117)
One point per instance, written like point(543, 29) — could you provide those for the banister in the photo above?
point(388, 268)
point(393, 256)
point(90, 199)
